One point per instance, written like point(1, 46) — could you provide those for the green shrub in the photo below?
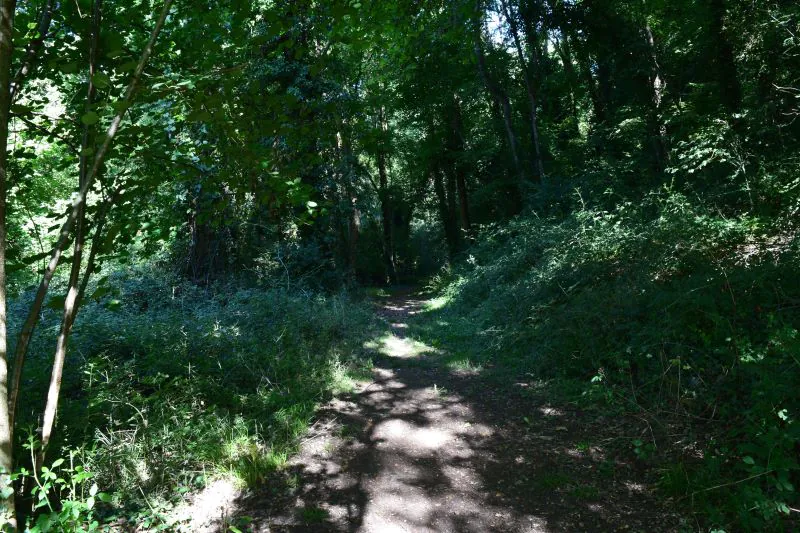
point(64, 495)
point(668, 305)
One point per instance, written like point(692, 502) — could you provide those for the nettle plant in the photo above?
point(64, 494)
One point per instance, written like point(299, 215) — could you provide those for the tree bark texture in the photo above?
point(71, 300)
point(7, 8)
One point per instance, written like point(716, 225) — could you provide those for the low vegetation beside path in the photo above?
point(667, 312)
point(181, 385)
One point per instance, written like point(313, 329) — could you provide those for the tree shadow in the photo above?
point(422, 448)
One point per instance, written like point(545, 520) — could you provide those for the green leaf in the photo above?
point(44, 523)
point(19, 109)
point(128, 67)
point(58, 462)
point(101, 80)
point(69, 68)
point(99, 292)
point(90, 118)
point(121, 106)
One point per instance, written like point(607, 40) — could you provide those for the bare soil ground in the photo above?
point(424, 448)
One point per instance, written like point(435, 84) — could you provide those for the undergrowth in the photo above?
point(169, 385)
point(666, 308)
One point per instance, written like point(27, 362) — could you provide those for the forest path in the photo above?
point(425, 448)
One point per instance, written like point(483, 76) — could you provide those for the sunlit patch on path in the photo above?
point(416, 449)
point(394, 346)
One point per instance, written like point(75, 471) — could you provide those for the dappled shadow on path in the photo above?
point(420, 448)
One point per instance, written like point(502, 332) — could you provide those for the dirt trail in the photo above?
point(422, 448)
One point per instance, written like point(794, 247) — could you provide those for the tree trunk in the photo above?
point(526, 76)
point(386, 203)
point(204, 257)
point(6, 426)
point(447, 214)
point(71, 300)
point(658, 130)
point(585, 64)
point(33, 49)
point(452, 209)
point(463, 202)
point(353, 230)
point(386, 219)
point(501, 99)
point(564, 50)
point(353, 234)
point(78, 203)
point(605, 84)
point(460, 172)
point(724, 59)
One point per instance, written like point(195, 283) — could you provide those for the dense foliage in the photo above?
point(605, 192)
point(685, 320)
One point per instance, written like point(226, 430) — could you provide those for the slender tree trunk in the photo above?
point(32, 50)
point(526, 76)
point(97, 242)
point(564, 50)
point(71, 300)
point(66, 327)
point(658, 129)
point(500, 102)
point(353, 231)
point(6, 425)
point(605, 84)
point(724, 59)
point(77, 204)
point(463, 202)
point(452, 209)
point(501, 99)
point(353, 234)
point(460, 172)
point(446, 213)
point(585, 64)
point(386, 202)
point(202, 261)
point(562, 42)
point(386, 219)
